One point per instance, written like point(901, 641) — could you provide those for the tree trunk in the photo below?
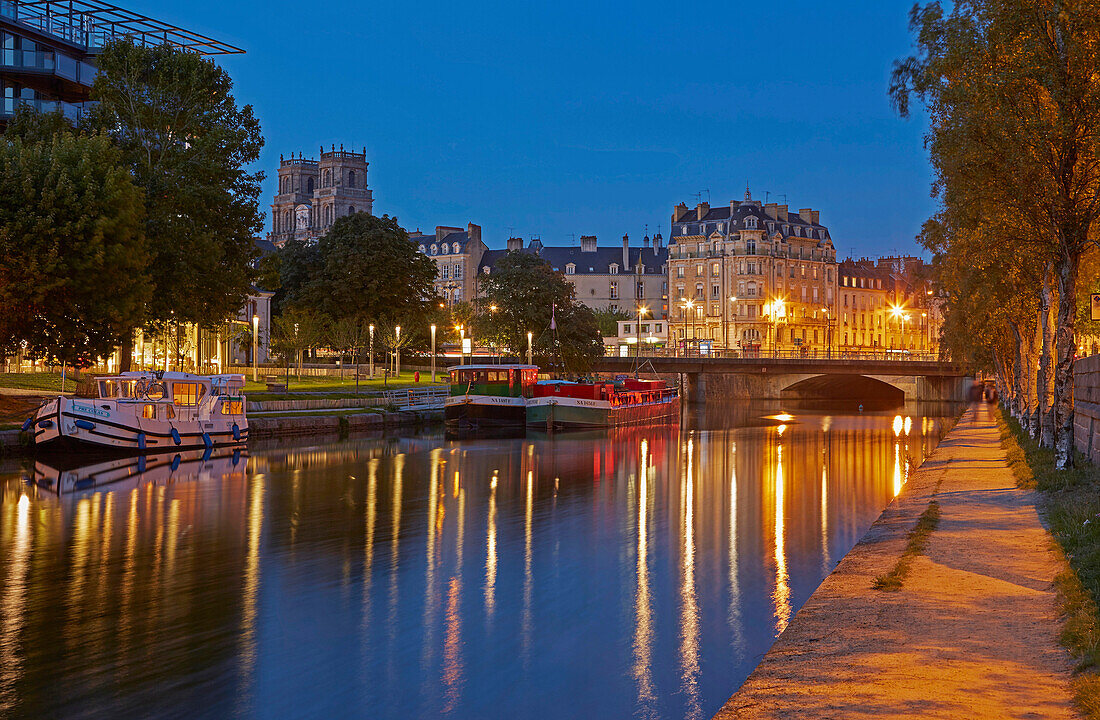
point(126, 353)
point(1044, 378)
point(1018, 397)
point(1065, 349)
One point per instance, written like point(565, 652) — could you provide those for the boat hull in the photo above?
point(72, 424)
point(484, 412)
point(565, 412)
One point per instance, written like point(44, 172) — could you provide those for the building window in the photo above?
point(423, 249)
point(485, 269)
point(613, 269)
point(351, 178)
point(715, 269)
point(639, 291)
point(699, 270)
point(680, 271)
point(457, 272)
point(715, 291)
point(751, 289)
point(445, 271)
point(750, 223)
point(614, 308)
point(750, 246)
point(626, 329)
point(435, 249)
point(455, 248)
point(698, 291)
point(570, 269)
point(351, 209)
point(614, 290)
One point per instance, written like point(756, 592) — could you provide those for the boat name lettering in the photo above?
point(90, 410)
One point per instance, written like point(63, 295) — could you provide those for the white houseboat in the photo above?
point(146, 412)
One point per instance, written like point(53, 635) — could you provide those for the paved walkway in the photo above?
point(973, 633)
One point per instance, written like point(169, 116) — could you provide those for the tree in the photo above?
point(188, 145)
point(363, 268)
point(528, 294)
point(1014, 127)
point(608, 320)
point(73, 257)
point(294, 333)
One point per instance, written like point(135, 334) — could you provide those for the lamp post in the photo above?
point(689, 306)
point(733, 307)
point(529, 356)
point(433, 353)
point(492, 345)
point(370, 361)
point(642, 310)
point(255, 345)
point(461, 342)
point(397, 352)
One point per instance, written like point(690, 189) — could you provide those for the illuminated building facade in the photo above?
point(751, 275)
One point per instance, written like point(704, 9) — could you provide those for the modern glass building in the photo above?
point(48, 49)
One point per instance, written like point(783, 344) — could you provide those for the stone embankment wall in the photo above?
point(1086, 406)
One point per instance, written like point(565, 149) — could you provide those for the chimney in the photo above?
point(588, 243)
point(515, 243)
point(658, 242)
point(678, 212)
point(701, 210)
point(474, 231)
point(806, 214)
point(772, 210)
point(817, 217)
point(645, 242)
point(781, 212)
point(626, 253)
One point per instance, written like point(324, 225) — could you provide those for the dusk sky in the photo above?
point(576, 118)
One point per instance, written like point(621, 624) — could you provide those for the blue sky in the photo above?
point(578, 118)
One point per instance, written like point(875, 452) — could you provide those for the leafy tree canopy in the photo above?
point(528, 292)
point(73, 257)
point(188, 145)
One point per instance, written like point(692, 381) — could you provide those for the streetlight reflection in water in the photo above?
point(334, 578)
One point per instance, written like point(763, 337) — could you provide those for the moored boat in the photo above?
point(146, 412)
point(557, 404)
point(489, 397)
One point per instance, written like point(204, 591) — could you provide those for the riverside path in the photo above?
point(972, 633)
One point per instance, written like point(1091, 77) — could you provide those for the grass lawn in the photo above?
point(45, 381)
point(1071, 506)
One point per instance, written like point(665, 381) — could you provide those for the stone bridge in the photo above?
point(888, 380)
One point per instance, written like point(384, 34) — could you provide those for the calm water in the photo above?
point(638, 573)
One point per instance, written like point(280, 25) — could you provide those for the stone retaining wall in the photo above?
point(1086, 406)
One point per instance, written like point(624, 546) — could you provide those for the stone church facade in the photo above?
point(312, 193)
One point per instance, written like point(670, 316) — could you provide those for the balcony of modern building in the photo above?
point(48, 70)
point(71, 111)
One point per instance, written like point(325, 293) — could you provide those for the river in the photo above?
point(635, 573)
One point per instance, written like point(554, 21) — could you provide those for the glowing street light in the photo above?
point(371, 363)
point(529, 356)
point(397, 352)
point(642, 310)
point(433, 353)
point(255, 344)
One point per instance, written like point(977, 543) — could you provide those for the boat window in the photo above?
point(232, 407)
point(149, 412)
point(187, 393)
point(169, 412)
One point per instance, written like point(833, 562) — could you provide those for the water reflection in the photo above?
point(637, 573)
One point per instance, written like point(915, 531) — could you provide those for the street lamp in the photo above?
point(462, 342)
point(690, 305)
point(492, 315)
point(397, 352)
point(897, 311)
point(371, 362)
point(433, 353)
point(529, 356)
point(255, 344)
point(642, 310)
point(733, 307)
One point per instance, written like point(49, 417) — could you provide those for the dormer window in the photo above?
point(570, 269)
point(455, 247)
point(613, 269)
point(750, 223)
point(423, 250)
point(485, 269)
point(683, 229)
point(721, 227)
point(435, 249)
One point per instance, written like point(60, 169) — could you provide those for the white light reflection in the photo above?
point(643, 621)
point(13, 604)
point(689, 609)
point(431, 597)
point(452, 643)
point(251, 593)
point(491, 553)
point(734, 615)
point(528, 580)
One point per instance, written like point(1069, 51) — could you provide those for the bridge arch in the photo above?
point(866, 389)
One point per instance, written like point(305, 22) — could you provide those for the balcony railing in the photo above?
point(48, 62)
point(70, 111)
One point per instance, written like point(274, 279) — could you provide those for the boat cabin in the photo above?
point(499, 380)
point(171, 395)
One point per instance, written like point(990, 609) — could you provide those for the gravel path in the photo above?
point(973, 633)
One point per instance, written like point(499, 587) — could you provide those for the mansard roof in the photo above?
point(740, 214)
point(591, 263)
